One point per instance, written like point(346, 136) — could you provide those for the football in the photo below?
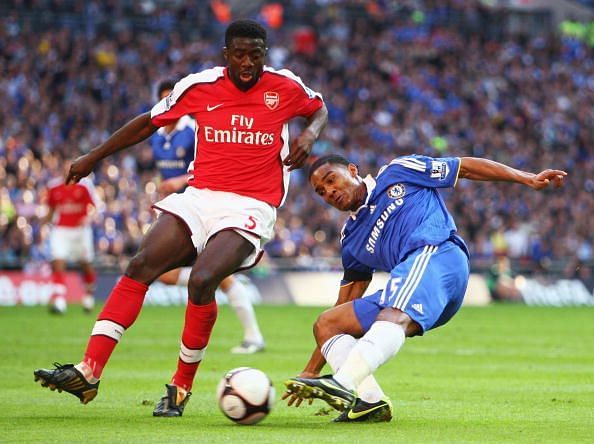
point(245, 395)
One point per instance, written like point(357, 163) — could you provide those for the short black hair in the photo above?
point(330, 158)
point(245, 28)
point(165, 85)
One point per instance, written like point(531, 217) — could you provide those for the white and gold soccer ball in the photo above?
point(245, 395)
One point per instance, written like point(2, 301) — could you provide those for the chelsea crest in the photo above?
point(396, 191)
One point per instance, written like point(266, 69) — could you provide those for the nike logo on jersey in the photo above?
point(212, 108)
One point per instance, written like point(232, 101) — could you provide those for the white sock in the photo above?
point(378, 345)
point(336, 350)
point(184, 276)
point(239, 300)
point(369, 390)
point(60, 304)
point(86, 371)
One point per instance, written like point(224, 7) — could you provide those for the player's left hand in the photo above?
point(299, 150)
point(547, 177)
point(292, 398)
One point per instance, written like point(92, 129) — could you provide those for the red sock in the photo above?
point(59, 283)
point(119, 313)
point(200, 320)
point(89, 278)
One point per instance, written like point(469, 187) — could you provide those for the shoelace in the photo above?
point(59, 366)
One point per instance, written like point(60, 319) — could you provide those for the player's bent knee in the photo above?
point(201, 287)
point(140, 270)
point(401, 318)
point(325, 327)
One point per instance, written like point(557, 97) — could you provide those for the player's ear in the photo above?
point(226, 53)
point(353, 169)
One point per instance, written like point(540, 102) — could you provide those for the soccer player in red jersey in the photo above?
point(173, 150)
point(71, 238)
point(222, 220)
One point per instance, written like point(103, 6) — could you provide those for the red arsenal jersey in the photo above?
point(70, 203)
point(241, 136)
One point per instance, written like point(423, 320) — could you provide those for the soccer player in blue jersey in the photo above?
point(398, 223)
point(173, 149)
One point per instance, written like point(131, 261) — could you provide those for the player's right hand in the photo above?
point(292, 398)
point(547, 178)
point(81, 167)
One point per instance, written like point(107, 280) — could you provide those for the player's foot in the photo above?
point(325, 388)
point(247, 348)
point(88, 303)
point(67, 378)
point(58, 306)
point(362, 411)
point(173, 403)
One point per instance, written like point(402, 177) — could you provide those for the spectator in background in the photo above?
point(442, 74)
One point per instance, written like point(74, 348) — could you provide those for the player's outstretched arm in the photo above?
point(136, 130)
point(301, 147)
point(475, 168)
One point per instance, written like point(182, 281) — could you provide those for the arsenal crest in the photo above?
point(271, 99)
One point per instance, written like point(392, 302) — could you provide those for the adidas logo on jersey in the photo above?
point(418, 308)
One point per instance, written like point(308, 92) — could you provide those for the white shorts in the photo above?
point(208, 212)
point(72, 244)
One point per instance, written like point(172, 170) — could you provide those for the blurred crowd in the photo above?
point(427, 77)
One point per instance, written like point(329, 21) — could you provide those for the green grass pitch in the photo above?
point(495, 374)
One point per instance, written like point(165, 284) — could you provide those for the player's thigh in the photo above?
point(167, 245)
point(223, 254)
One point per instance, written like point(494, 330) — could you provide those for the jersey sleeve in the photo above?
point(425, 171)
point(354, 270)
point(171, 108)
point(306, 106)
point(183, 97)
point(304, 100)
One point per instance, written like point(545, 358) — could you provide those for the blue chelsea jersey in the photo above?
point(403, 211)
point(174, 152)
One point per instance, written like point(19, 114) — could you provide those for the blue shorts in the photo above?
point(429, 286)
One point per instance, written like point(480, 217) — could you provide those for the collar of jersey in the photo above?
point(370, 184)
